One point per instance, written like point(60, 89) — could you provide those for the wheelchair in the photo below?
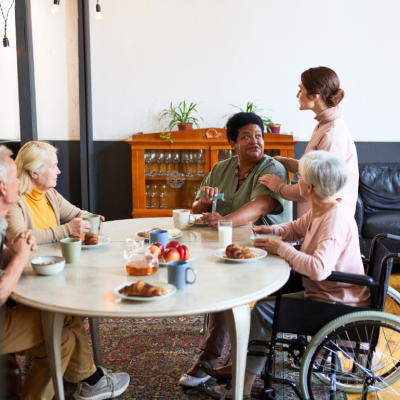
point(340, 349)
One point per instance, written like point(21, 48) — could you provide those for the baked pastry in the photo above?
point(141, 288)
point(91, 239)
point(78, 236)
point(146, 234)
point(234, 251)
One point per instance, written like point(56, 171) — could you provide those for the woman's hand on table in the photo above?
point(262, 229)
point(79, 225)
point(271, 181)
point(211, 219)
point(268, 244)
point(209, 192)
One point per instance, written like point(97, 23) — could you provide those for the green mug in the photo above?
point(71, 250)
point(94, 220)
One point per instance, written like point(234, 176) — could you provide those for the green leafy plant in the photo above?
point(251, 106)
point(181, 114)
point(166, 135)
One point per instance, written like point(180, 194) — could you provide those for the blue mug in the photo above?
point(178, 274)
point(159, 236)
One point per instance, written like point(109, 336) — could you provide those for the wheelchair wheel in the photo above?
point(392, 303)
point(356, 353)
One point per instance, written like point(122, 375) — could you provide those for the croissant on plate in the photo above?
point(91, 239)
point(141, 288)
point(234, 251)
point(80, 236)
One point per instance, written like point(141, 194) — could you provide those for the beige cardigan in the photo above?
point(20, 219)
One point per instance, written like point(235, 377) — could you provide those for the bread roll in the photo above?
point(141, 288)
point(91, 239)
point(234, 251)
point(78, 236)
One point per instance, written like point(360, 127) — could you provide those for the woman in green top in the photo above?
point(246, 199)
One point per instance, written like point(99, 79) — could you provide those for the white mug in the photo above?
point(182, 219)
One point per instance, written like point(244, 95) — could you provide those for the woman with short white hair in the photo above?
point(330, 243)
point(41, 210)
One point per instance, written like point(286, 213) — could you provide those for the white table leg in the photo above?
point(52, 324)
point(95, 334)
point(238, 322)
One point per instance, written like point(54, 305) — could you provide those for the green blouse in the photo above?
point(223, 177)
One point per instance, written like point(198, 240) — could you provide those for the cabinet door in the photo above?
point(173, 177)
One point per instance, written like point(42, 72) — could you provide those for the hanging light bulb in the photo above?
point(6, 48)
point(99, 15)
point(56, 7)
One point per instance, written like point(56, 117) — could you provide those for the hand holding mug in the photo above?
point(79, 225)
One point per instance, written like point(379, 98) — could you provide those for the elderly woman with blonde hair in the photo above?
point(41, 210)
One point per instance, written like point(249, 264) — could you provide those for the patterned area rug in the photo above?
point(156, 352)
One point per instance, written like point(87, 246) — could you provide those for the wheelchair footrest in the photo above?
point(257, 353)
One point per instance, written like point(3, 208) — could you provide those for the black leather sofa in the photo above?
point(378, 203)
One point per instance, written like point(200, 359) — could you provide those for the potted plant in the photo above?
point(270, 126)
point(181, 115)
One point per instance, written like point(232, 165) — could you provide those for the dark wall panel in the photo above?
point(113, 179)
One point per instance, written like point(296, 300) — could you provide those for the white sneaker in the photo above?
point(109, 386)
point(191, 381)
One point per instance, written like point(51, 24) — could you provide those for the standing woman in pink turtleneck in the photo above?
point(320, 92)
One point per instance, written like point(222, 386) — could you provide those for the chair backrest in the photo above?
point(379, 270)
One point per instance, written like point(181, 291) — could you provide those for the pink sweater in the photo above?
point(332, 135)
point(330, 244)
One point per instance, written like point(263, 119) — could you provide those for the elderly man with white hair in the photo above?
point(329, 243)
point(21, 326)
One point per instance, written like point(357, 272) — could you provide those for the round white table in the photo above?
point(86, 289)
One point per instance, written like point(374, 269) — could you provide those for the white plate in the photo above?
point(165, 264)
point(102, 241)
point(263, 235)
point(261, 254)
point(171, 290)
point(170, 237)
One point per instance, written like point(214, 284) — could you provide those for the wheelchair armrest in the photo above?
point(344, 277)
point(354, 279)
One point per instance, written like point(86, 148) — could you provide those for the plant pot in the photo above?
point(185, 127)
point(275, 128)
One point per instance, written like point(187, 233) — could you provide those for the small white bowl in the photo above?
point(50, 269)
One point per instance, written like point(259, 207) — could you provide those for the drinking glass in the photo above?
point(161, 165)
point(185, 161)
point(201, 162)
point(168, 161)
point(224, 233)
point(154, 201)
point(176, 158)
point(153, 166)
point(195, 162)
point(148, 196)
point(190, 163)
point(163, 196)
point(146, 163)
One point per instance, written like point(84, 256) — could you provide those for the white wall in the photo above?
point(148, 53)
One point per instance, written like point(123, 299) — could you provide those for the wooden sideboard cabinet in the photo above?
point(167, 176)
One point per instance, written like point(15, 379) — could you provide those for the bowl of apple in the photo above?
point(173, 251)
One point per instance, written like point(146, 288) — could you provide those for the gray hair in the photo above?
point(328, 173)
point(4, 154)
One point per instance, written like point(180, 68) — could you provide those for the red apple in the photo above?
point(173, 244)
point(155, 250)
point(184, 252)
point(160, 245)
point(171, 255)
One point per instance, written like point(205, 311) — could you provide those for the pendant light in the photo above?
point(99, 15)
point(6, 43)
point(56, 7)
